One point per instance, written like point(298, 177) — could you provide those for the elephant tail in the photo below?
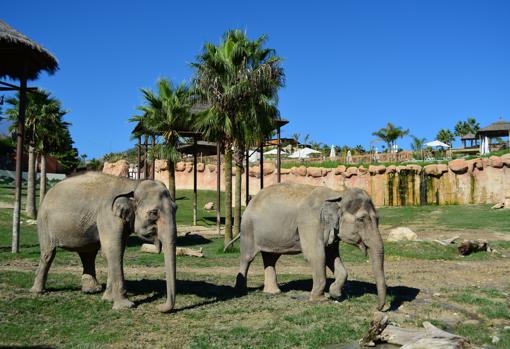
point(231, 242)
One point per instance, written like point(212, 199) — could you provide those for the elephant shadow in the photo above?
point(189, 239)
point(354, 289)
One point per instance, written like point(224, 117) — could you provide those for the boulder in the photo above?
point(351, 171)
point(200, 167)
point(269, 168)
point(189, 167)
point(254, 171)
point(376, 169)
point(391, 169)
point(209, 206)
point(314, 172)
point(400, 168)
point(211, 168)
point(298, 171)
point(161, 165)
point(340, 169)
point(506, 160)
point(415, 168)
point(475, 163)
point(285, 171)
point(458, 166)
point(362, 170)
point(495, 161)
point(402, 234)
point(119, 168)
point(180, 166)
point(436, 170)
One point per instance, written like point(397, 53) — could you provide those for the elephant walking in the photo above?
point(95, 210)
point(292, 218)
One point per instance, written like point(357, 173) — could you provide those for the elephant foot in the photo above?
point(89, 284)
point(271, 289)
point(240, 285)
point(107, 296)
point(122, 304)
point(318, 298)
point(335, 292)
point(165, 307)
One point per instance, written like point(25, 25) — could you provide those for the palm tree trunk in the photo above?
point(171, 178)
point(228, 192)
point(42, 184)
point(238, 160)
point(30, 208)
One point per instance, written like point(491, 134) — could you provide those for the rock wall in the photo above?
point(461, 181)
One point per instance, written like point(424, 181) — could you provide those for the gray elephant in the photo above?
point(292, 218)
point(94, 210)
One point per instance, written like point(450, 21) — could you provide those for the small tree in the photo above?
point(445, 136)
point(390, 134)
point(417, 146)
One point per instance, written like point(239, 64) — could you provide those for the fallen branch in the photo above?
point(447, 242)
point(180, 251)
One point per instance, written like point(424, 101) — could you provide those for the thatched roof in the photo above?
point(467, 137)
point(206, 148)
point(499, 128)
point(15, 48)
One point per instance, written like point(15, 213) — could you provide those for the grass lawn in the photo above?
point(209, 314)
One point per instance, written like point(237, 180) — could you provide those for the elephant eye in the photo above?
point(153, 215)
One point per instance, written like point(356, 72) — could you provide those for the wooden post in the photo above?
point(146, 158)
point(278, 159)
point(218, 187)
point(195, 196)
point(261, 165)
point(19, 160)
point(139, 158)
point(247, 177)
point(153, 169)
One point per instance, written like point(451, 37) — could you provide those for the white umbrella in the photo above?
point(437, 143)
point(303, 153)
point(332, 153)
point(274, 152)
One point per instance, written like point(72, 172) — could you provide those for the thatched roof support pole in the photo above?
point(195, 193)
point(19, 159)
point(218, 187)
point(153, 168)
point(279, 156)
point(139, 157)
point(247, 177)
point(146, 157)
point(261, 165)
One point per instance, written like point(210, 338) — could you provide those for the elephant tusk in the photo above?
point(157, 243)
point(363, 248)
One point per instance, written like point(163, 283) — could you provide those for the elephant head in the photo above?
point(351, 214)
point(151, 214)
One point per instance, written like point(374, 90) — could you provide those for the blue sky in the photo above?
point(351, 66)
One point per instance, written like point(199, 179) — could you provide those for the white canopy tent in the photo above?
point(437, 143)
point(303, 153)
point(275, 152)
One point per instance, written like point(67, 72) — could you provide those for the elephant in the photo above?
point(95, 211)
point(289, 218)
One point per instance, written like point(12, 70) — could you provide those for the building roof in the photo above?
point(16, 49)
point(206, 148)
point(496, 129)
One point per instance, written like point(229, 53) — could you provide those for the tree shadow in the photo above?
point(192, 239)
point(355, 289)
point(213, 219)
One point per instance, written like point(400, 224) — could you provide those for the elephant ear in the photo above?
point(123, 206)
point(330, 217)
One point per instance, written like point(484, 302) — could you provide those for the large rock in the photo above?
point(211, 168)
point(458, 166)
point(506, 160)
point(209, 206)
point(314, 172)
point(376, 169)
point(362, 170)
point(475, 164)
point(415, 168)
point(401, 168)
point(180, 166)
point(200, 167)
point(298, 171)
point(269, 168)
point(189, 167)
point(436, 170)
point(161, 165)
point(284, 171)
point(254, 171)
point(340, 169)
point(119, 168)
point(351, 171)
point(495, 161)
point(402, 234)
point(391, 169)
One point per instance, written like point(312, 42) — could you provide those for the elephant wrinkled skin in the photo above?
point(94, 210)
point(292, 218)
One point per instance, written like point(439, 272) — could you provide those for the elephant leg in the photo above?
point(89, 282)
point(41, 275)
point(115, 290)
point(336, 266)
point(317, 261)
point(248, 253)
point(270, 284)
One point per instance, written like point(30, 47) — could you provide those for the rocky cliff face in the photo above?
point(461, 181)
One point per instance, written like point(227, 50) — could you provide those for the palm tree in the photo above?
point(417, 146)
point(239, 80)
point(445, 136)
point(166, 113)
point(42, 109)
point(390, 134)
point(462, 128)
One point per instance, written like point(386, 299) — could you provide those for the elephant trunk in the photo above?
point(167, 234)
point(376, 253)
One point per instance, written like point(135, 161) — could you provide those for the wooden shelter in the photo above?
point(21, 59)
point(499, 128)
point(473, 140)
